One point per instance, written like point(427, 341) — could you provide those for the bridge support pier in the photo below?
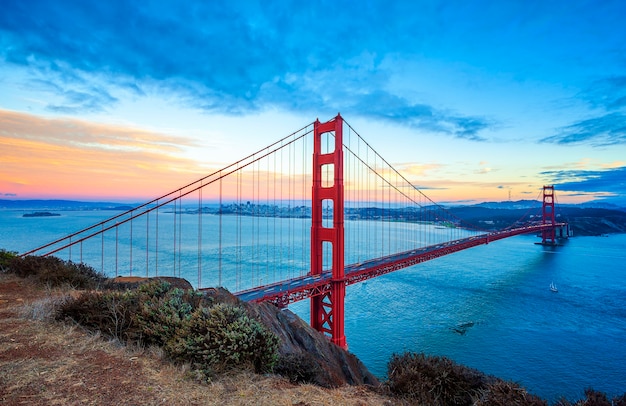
point(327, 310)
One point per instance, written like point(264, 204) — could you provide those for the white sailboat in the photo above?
point(553, 287)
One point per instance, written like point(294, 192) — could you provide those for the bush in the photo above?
point(214, 338)
point(111, 313)
point(595, 398)
point(53, 271)
point(162, 311)
point(433, 380)
point(148, 315)
point(221, 337)
point(502, 393)
point(298, 367)
point(5, 259)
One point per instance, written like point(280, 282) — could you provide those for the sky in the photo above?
point(482, 100)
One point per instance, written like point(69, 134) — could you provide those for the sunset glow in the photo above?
point(469, 101)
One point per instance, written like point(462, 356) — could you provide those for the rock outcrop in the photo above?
point(334, 365)
point(132, 282)
point(328, 365)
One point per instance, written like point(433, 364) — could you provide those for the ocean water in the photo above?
point(489, 307)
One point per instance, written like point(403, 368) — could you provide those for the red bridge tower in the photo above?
point(327, 310)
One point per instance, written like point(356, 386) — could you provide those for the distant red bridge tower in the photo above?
point(548, 236)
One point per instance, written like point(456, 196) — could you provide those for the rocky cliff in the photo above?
point(332, 366)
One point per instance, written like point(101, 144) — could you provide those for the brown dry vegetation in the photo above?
point(43, 361)
point(46, 362)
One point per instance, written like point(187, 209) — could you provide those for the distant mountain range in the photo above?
point(82, 205)
point(585, 219)
point(62, 205)
point(530, 204)
point(593, 218)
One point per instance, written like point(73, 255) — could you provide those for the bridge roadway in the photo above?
point(303, 287)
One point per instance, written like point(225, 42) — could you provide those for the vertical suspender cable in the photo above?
point(147, 241)
point(131, 243)
point(156, 243)
point(200, 236)
point(180, 231)
point(282, 203)
point(175, 236)
point(275, 215)
point(238, 255)
point(220, 233)
point(267, 221)
point(250, 212)
point(258, 221)
point(116, 254)
point(303, 181)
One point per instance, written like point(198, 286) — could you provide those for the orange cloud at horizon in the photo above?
point(63, 158)
point(43, 158)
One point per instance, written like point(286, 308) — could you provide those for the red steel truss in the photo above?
point(311, 286)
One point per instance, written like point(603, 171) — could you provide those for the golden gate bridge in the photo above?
point(302, 218)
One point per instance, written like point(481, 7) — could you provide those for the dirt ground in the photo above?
point(43, 362)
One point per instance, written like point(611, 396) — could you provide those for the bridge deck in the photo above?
point(292, 290)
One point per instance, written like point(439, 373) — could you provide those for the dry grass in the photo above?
point(43, 362)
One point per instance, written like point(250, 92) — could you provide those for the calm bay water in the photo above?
point(489, 307)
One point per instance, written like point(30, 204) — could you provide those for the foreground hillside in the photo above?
point(150, 342)
point(43, 362)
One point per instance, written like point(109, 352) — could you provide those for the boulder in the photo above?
point(131, 282)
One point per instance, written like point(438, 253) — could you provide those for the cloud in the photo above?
point(600, 182)
point(606, 130)
point(93, 136)
point(608, 93)
point(61, 157)
point(225, 57)
point(398, 110)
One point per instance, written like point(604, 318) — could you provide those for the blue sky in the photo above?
point(476, 100)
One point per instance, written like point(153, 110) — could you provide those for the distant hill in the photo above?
point(61, 205)
point(529, 204)
point(509, 205)
point(593, 218)
point(583, 220)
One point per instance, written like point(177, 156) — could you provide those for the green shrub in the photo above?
point(163, 310)
point(222, 337)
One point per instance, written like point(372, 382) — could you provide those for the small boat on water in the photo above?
point(553, 287)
